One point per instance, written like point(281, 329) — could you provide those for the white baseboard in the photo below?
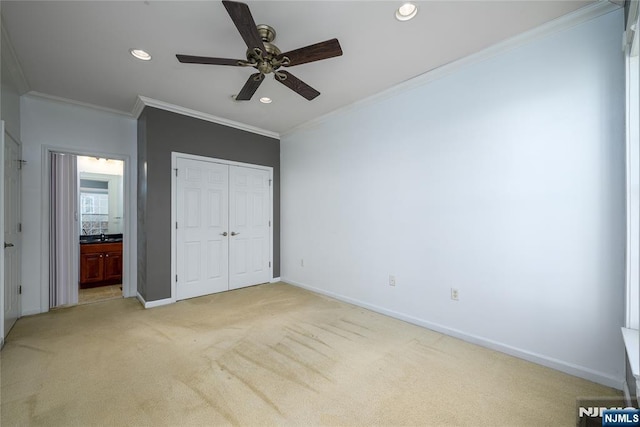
point(139, 297)
point(156, 303)
point(31, 312)
point(275, 280)
point(559, 365)
point(627, 394)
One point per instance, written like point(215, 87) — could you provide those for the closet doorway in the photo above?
point(222, 220)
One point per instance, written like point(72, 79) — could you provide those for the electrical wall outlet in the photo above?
point(392, 280)
point(454, 294)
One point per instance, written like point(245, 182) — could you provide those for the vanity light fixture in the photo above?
point(406, 12)
point(140, 54)
point(266, 100)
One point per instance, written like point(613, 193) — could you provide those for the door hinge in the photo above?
point(270, 183)
point(176, 225)
point(19, 227)
point(21, 163)
point(176, 277)
point(176, 169)
point(269, 263)
point(20, 290)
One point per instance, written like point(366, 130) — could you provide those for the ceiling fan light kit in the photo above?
point(265, 57)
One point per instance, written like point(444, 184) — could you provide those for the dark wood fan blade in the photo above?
point(297, 85)
point(314, 52)
point(188, 59)
point(250, 87)
point(241, 17)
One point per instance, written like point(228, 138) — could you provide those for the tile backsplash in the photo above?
point(92, 226)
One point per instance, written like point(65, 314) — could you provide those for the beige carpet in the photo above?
point(267, 355)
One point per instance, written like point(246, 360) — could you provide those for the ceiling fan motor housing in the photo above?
point(265, 62)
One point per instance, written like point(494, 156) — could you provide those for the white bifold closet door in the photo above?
point(223, 230)
point(249, 236)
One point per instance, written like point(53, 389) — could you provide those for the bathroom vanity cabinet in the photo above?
point(100, 264)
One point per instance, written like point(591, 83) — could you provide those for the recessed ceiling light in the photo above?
point(406, 12)
point(265, 100)
point(140, 54)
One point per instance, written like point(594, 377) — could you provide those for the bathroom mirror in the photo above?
point(100, 204)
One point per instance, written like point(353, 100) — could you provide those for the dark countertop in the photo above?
point(98, 238)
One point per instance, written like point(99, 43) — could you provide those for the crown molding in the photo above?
point(16, 68)
point(582, 15)
point(138, 107)
point(143, 101)
point(35, 94)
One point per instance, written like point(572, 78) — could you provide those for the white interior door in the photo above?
point(202, 256)
point(11, 232)
point(249, 237)
point(223, 228)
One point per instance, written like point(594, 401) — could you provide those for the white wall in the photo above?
point(10, 90)
point(76, 129)
point(633, 191)
point(504, 180)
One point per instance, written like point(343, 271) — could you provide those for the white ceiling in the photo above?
point(79, 50)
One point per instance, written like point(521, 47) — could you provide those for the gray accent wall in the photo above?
point(142, 207)
point(160, 133)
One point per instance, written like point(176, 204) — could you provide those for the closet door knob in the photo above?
point(233, 233)
point(224, 234)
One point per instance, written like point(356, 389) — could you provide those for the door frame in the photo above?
point(3, 141)
point(174, 208)
point(128, 282)
point(2, 233)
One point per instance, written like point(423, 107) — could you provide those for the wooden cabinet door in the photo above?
point(113, 265)
point(91, 268)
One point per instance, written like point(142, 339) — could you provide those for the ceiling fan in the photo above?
point(265, 57)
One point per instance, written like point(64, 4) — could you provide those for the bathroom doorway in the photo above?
point(87, 227)
point(101, 218)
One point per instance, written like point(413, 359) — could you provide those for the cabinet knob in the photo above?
point(107, 255)
point(100, 255)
